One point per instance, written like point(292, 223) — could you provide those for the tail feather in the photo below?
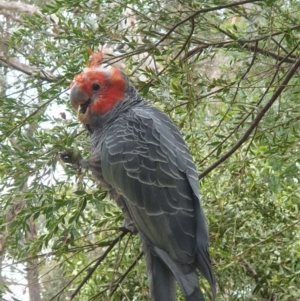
point(196, 296)
point(203, 264)
point(189, 285)
point(162, 283)
point(161, 280)
point(185, 276)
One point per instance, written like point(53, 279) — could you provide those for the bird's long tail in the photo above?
point(185, 276)
point(203, 262)
point(161, 280)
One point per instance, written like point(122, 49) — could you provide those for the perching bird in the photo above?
point(140, 157)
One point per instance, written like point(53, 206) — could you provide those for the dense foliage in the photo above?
point(225, 71)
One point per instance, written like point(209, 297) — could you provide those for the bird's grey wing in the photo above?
point(146, 160)
point(142, 164)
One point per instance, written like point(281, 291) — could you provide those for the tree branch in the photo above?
point(201, 11)
point(10, 15)
point(252, 246)
point(120, 279)
point(250, 269)
point(256, 121)
point(237, 43)
point(257, 49)
point(176, 56)
point(92, 270)
point(223, 118)
point(29, 70)
point(42, 106)
point(19, 7)
point(118, 282)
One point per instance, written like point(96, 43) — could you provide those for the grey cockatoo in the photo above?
point(140, 157)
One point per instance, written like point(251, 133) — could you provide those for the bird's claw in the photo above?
point(71, 158)
point(66, 156)
point(129, 226)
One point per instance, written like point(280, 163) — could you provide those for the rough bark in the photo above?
point(1, 276)
point(19, 7)
point(32, 267)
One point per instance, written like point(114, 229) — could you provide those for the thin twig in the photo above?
point(176, 56)
point(116, 285)
point(191, 17)
point(250, 269)
point(120, 279)
point(98, 262)
point(223, 118)
point(7, 133)
point(255, 122)
point(246, 117)
point(202, 11)
point(244, 44)
point(265, 239)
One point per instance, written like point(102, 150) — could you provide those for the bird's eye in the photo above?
point(96, 87)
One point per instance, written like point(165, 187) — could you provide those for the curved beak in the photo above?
point(78, 97)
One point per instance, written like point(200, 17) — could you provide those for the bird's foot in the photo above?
point(129, 226)
point(73, 159)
